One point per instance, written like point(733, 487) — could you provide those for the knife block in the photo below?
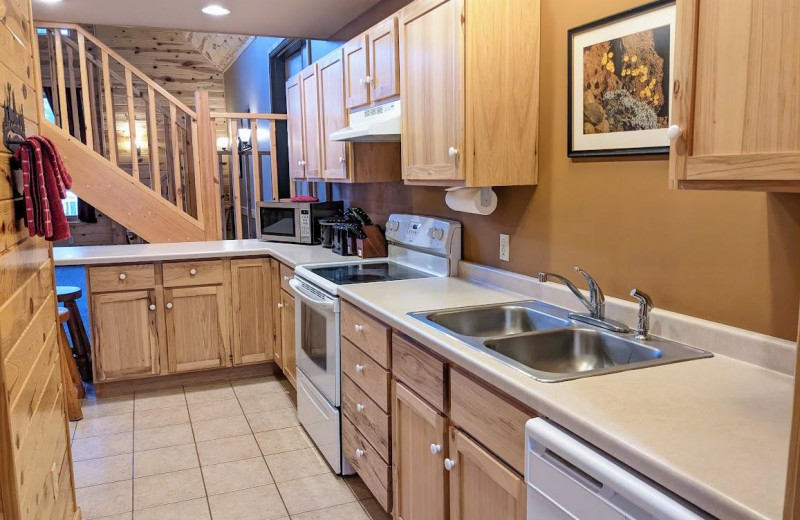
point(374, 246)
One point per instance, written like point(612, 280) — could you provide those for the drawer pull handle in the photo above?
point(674, 132)
point(359, 453)
point(452, 151)
point(359, 407)
point(359, 368)
point(169, 305)
point(152, 307)
point(122, 276)
point(192, 272)
point(449, 464)
point(358, 328)
point(280, 305)
point(285, 278)
point(435, 448)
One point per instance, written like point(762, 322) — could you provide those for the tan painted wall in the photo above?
point(723, 256)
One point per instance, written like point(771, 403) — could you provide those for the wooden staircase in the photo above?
point(136, 152)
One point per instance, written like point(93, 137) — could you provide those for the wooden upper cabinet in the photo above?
point(127, 342)
point(251, 314)
point(332, 114)
point(469, 84)
point(735, 98)
point(197, 328)
point(294, 111)
point(356, 70)
point(384, 66)
point(311, 128)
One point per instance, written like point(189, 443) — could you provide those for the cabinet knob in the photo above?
point(285, 278)
point(359, 368)
point(152, 307)
point(341, 160)
point(359, 407)
point(301, 163)
point(192, 272)
point(452, 151)
point(280, 305)
point(368, 80)
point(169, 305)
point(435, 448)
point(358, 328)
point(122, 276)
point(359, 453)
point(674, 132)
point(449, 464)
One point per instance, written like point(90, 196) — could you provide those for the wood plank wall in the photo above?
point(35, 463)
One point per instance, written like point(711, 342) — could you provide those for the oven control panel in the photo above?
point(435, 235)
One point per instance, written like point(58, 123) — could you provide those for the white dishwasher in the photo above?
point(568, 479)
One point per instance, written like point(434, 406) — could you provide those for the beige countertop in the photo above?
point(290, 254)
point(714, 431)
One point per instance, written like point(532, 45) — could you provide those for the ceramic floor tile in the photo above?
point(105, 500)
point(296, 464)
point(159, 417)
point(265, 402)
point(214, 410)
point(228, 450)
point(351, 511)
point(102, 446)
point(209, 393)
point(261, 503)
point(196, 509)
point(374, 510)
point(159, 399)
point(155, 438)
point(233, 476)
point(105, 406)
point(165, 460)
point(357, 486)
point(279, 441)
point(274, 420)
point(123, 516)
point(220, 428)
point(257, 386)
point(167, 488)
point(104, 425)
point(73, 425)
point(94, 472)
point(312, 493)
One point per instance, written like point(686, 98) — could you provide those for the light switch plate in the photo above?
point(504, 247)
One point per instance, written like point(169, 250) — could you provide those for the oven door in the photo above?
point(317, 337)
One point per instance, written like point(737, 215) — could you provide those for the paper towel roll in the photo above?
point(481, 201)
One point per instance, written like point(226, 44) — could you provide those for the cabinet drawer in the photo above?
point(287, 273)
point(492, 419)
point(375, 473)
point(183, 274)
point(122, 277)
point(366, 373)
point(420, 371)
point(372, 422)
point(367, 333)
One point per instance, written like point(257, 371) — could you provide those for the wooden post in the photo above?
point(236, 196)
point(111, 126)
point(273, 158)
point(73, 94)
point(176, 159)
point(152, 141)
point(208, 181)
point(62, 88)
point(131, 123)
point(193, 151)
point(256, 161)
point(87, 105)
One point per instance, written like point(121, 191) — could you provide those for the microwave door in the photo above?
point(277, 223)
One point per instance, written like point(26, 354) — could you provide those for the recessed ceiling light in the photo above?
point(214, 10)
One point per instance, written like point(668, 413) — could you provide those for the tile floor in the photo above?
point(223, 451)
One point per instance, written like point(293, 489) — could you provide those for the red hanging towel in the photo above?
point(23, 156)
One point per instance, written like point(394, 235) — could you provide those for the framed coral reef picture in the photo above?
point(620, 83)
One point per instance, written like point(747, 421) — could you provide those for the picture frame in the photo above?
point(620, 71)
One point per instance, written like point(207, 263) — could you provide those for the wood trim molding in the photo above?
point(791, 508)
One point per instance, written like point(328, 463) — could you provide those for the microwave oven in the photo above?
point(296, 222)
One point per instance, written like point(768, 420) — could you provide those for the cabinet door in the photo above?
point(431, 79)
point(419, 445)
point(294, 111)
point(332, 114)
point(356, 70)
point(252, 314)
point(277, 317)
point(480, 485)
point(126, 335)
point(384, 69)
point(735, 68)
point(197, 328)
point(311, 144)
point(288, 337)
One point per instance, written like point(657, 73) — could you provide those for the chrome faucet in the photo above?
point(596, 303)
point(645, 306)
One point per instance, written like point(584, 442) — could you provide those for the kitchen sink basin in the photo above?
point(497, 320)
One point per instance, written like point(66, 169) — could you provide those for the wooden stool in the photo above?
point(80, 341)
point(73, 386)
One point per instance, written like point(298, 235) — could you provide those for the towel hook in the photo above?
point(13, 120)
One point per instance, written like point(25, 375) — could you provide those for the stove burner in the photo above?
point(370, 272)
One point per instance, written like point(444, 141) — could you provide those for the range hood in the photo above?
point(376, 124)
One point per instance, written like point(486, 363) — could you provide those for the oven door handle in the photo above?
point(319, 304)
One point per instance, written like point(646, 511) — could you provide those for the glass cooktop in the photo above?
point(372, 272)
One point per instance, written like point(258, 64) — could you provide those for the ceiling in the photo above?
point(317, 19)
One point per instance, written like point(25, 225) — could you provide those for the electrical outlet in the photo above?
point(504, 247)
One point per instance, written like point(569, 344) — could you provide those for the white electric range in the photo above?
point(419, 247)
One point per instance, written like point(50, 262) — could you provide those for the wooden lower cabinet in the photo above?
point(253, 337)
point(125, 330)
point(277, 317)
point(419, 445)
point(197, 328)
point(288, 338)
point(481, 486)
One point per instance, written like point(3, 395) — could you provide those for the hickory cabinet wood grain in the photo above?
point(356, 70)
point(275, 275)
point(253, 330)
point(197, 328)
point(332, 115)
point(311, 134)
point(734, 72)
point(296, 130)
point(384, 62)
point(288, 337)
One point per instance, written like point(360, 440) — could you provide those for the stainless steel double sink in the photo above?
point(542, 341)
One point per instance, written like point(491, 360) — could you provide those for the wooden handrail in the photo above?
point(248, 115)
